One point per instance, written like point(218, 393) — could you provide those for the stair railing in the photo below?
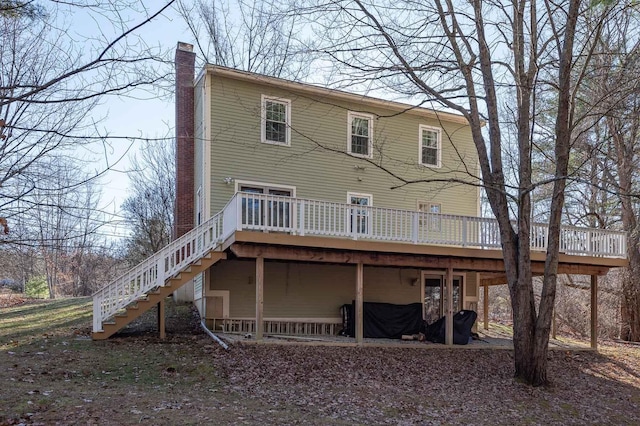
point(156, 270)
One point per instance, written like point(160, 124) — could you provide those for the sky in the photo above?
point(141, 114)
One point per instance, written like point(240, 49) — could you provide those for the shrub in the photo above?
point(37, 287)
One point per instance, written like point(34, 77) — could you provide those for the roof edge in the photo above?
point(323, 91)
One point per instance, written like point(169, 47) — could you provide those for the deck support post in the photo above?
point(485, 307)
point(259, 298)
point(161, 323)
point(449, 308)
point(594, 312)
point(359, 303)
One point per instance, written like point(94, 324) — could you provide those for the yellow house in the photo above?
point(294, 200)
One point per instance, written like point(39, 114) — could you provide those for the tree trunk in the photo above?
point(630, 303)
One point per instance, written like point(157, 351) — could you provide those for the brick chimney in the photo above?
point(184, 97)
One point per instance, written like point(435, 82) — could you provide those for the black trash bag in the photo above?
point(462, 324)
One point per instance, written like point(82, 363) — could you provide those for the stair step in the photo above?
point(151, 298)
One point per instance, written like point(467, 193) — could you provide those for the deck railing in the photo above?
point(156, 270)
point(299, 216)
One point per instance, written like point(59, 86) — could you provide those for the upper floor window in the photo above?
point(430, 146)
point(276, 120)
point(360, 130)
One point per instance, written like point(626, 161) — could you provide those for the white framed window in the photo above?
point(276, 121)
point(358, 219)
point(430, 146)
point(433, 219)
point(360, 132)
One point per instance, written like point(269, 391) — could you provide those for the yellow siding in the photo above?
point(314, 290)
point(319, 125)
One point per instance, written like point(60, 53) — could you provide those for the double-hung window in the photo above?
point(276, 121)
point(430, 146)
point(360, 131)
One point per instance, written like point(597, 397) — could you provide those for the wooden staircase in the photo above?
point(156, 296)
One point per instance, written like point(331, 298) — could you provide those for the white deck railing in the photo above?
point(269, 213)
point(156, 270)
point(339, 220)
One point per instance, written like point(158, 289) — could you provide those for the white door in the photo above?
point(272, 212)
point(359, 220)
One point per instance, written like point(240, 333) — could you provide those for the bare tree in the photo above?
point(260, 37)
point(467, 56)
point(52, 76)
point(51, 79)
point(616, 138)
point(149, 209)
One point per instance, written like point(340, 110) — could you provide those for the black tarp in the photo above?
point(384, 320)
point(462, 324)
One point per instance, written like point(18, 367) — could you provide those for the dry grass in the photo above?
point(52, 374)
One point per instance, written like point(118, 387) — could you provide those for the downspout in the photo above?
point(213, 336)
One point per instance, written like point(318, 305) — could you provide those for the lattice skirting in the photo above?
point(295, 327)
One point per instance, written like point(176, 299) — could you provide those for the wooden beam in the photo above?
point(306, 254)
point(359, 303)
point(259, 298)
point(449, 308)
point(161, 320)
point(423, 261)
point(486, 306)
point(283, 239)
point(594, 311)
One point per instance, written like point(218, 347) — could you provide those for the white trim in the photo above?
point(479, 190)
point(435, 224)
point(225, 294)
point(327, 320)
point(438, 131)
point(199, 214)
point(359, 194)
point(206, 144)
point(348, 218)
point(350, 116)
point(239, 182)
point(263, 119)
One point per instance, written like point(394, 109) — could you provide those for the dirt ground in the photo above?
point(52, 373)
